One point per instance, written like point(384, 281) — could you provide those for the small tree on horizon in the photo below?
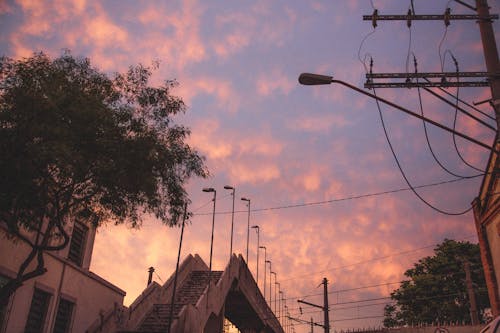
point(436, 291)
point(78, 144)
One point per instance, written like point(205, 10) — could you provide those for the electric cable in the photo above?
point(427, 134)
point(404, 175)
point(464, 102)
point(354, 197)
point(455, 120)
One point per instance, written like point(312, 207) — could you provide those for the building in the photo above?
point(67, 298)
point(487, 219)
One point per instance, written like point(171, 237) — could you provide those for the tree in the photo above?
point(79, 144)
point(436, 290)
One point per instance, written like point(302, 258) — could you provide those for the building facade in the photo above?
point(67, 298)
point(487, 219)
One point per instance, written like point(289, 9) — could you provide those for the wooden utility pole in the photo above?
point(472, 298)
point(326, 310)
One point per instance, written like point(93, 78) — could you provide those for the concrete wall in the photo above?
point(91, 294)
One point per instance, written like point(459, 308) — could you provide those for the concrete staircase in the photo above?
point(158, 319)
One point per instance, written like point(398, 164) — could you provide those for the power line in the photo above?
point(354, 197)
point(413, 188)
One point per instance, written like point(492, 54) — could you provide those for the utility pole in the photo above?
point(326, 324)
point(491, 78)
point(472, 298)
point(326, 310)
point(490, 56)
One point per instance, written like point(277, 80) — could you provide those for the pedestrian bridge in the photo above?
point(203, 300)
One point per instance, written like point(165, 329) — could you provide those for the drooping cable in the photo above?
point(427, 134)
point(404, 174)
point(455, 120)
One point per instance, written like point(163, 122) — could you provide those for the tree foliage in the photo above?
point(77, 143)
point(436, 290)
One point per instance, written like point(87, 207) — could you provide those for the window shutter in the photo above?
point(77, 245)
point(38, 312)
point(63, 317)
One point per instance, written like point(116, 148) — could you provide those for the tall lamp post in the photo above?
point(227, 187)
point(277, 301)
point(211, 189)
point(275, 277)
point(281, 306)
point(265, 259)
point(256, 227)
point(270, 269)
point(248, 223)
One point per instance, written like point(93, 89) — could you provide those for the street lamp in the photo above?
point(310, 79)
point(270, 269)
point(227, 187)
point(248, 223)
point(277, 299)
point(256, 227)
point(211, 189)
point(275, 277)
point(280, 305)
point(265, 259)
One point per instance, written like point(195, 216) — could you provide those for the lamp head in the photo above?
point(208, 189)
point(310, 79)
point(262, 247)
point(245, 199)
point(255, 227)
point(227, 187)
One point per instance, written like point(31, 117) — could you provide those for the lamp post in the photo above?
point(265, 259)
point(275, 278)
point(211, 189)
point(256, 227)
point(248, 223)
point(280, 305)
point(270, 269)
point(227, 187)
point(276, 298)
point(310, 79)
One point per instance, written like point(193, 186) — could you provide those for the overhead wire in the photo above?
point(442, 211)
point(436, 159)
point(348, 198)
point(455, 120)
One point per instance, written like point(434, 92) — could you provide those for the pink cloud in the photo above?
point(227, 98)
point(274, 82)
point(205, 139)
point(100, 31)
point(231, 44)
point(322, 124)
point(265, 172)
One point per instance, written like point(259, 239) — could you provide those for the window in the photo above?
point(77, 245)
point(63, 316)
point(38, 312)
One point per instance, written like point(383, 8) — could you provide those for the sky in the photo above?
point(324, 187)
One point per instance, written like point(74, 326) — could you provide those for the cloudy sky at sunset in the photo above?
point(324, 187)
